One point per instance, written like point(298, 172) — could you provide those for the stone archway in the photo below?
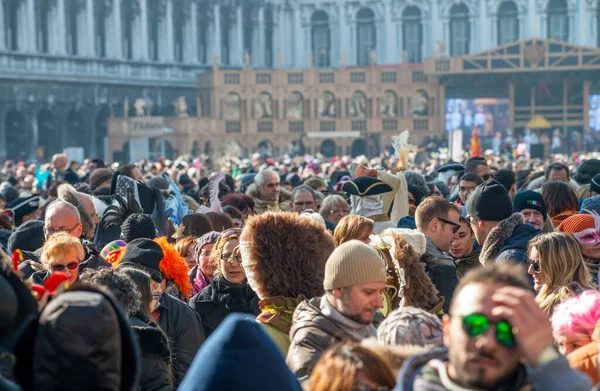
point(359, 147)
point(101, 124)
point(18, 137)
point(76, 132)
point(328, 148)
point(49, 137)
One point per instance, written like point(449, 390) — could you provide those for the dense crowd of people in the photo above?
point(301, 274)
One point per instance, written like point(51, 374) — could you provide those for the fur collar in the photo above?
point(498, 236)
point(153, 342)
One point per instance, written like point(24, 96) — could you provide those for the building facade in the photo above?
point(66, 66)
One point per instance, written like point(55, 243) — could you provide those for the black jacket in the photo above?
point(183, 326)
point(155, 356)
point(220, 299)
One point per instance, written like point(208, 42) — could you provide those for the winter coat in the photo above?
point(239, 356)
point(183, 327)
point(585, 359)
point(221, 298)
point(313, 332)
point(260, 206)
point(508, 241)
point(442, 271)
point(422, 373)
point(593, 266)
point(155, 356)
point(276, 319)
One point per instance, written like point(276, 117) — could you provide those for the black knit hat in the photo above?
point(416, 193)
point(490, 202)
point(27, 237)
point(595, 184)
point(530, 199)
point(137, 226)
point(144, 254)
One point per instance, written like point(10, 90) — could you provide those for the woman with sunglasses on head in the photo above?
point(61, 253)
point(585, 228)
point(229, 290)
point(557, 268)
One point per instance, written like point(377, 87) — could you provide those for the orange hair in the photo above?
point(174, 268)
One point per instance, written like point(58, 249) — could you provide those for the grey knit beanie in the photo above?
point(353, 263)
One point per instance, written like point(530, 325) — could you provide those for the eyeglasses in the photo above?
point(475, 325)
point(339, 211)
point(535, 264)
point(60, 268)
point(50, 230)
point(303, 204)
point(455, 226)
point(230, 258)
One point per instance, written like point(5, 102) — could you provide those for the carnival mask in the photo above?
point(589, 236)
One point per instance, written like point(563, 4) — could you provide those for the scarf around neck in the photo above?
point(277, 311)
point(236, 298)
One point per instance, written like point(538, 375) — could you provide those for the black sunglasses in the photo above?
point(60, 268)
point(535, 264)
point(455, 227)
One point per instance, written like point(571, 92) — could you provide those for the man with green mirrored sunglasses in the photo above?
point(496, 338)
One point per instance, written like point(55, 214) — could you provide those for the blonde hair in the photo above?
point(329, 202)
point(562, 263)
point(58, 245)
point(182, 246)
point(217, 251)
point(351, 227)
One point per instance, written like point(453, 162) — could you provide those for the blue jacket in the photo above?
point(515, 247)
point(239, 355)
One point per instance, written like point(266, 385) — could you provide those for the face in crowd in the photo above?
point(462, 245)
point(465, 189)
point(360, 302)
point(231, 262)
point(204, 261)
point(534, 217)
point(269, 190)
point(337, 212)
point(302, 201)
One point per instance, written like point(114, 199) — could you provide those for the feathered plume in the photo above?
point(16, 259)
point(595, 215)
point(401, 146)
point(213, 190)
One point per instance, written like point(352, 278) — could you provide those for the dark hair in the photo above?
point(142, 281)
point(127, 170)
point(119, 284)
point(303, 189)
point(473, 163)
point(417, 180)
point(556, 166)
point(472, 178)
point(232, 212)
point(559, 197)
point(506, 177)
point(196, 224)
point(433, 207)
point(504, 273)
point(241, 202)
point(98, 162)
point(315, 182)
point(219, 221)
point(463, 220)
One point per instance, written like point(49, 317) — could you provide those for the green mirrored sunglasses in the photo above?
point(475, 325)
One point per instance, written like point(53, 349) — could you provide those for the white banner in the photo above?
point(333, 134)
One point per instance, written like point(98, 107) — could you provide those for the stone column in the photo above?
point(428, 37)
point(484, 36)
point(239, 59)
point(261, 50)
point(192, 32)
point(117, 43)
point(31, 30)
point(573, 37)
point(90, 29)
point(473, 35)
point(390, 39)
point(2, 37)
point(61, 39)
point(170, 46)
point(284, 41)
point(217, 32)
point(143, 38)
point(299, 33)
point(343, 41)
point(494, 32)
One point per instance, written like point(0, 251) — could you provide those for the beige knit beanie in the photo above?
point(353, 263)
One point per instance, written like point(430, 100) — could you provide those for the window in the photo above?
point(558, 20)
point(127, 17)
point(269, 27)
point(42, 11)
point(321, 39)
point(460, 34)
point(412, 34)
point(366, 35)
point(72, 26)
point(11, 24)
point(508, 23)
point(100, 13)
point(226, 32)
point(153, 33)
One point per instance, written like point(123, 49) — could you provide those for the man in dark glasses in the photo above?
point(497, 338)
point(438, 219)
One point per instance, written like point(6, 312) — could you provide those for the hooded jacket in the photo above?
point(222, 298)
point(183, 326)
point(508, 241)
point(440, 267)
point(155, 356)
point(468, 262)
point(239, 356)
point(313, 332)
point(423, 372)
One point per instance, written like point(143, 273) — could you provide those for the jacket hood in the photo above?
point(520, 238)
point(81, 340)
point(509, 234)
point(413, 365)
point(241, 345)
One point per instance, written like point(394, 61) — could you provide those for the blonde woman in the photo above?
point(557, 268)
point(353, 227)
point(61, 253)
point(334, 208)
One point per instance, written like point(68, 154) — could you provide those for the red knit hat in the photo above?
point(577, 223)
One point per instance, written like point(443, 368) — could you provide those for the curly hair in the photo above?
point(119, 284)
point(285, 254)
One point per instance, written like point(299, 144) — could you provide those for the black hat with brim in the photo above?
point(452, 166)
point(366, 186)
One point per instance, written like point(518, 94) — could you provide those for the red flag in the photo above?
point(475, 145)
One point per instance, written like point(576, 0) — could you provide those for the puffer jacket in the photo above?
point(311, 334)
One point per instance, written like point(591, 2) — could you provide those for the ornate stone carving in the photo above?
point(326, 105)
point(542, 5)
point(358, 105)
point(143, 107)
point(534, 54)
point(446, 5)
point(419, 103)
point(180, 106)
point(295, 106)
point(263, 106)
point(232, 107)
point(388, 104)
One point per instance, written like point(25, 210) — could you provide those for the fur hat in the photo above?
point(284, 254)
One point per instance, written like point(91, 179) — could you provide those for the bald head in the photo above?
point(62, 216)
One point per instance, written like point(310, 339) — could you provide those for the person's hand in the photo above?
point(530, 325)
